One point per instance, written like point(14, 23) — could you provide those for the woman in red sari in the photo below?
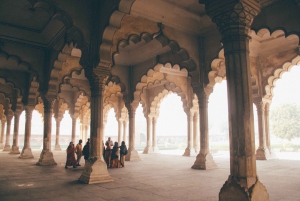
point(71, 161)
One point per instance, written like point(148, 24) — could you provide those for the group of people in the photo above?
point(113, 154)
point(72, 150)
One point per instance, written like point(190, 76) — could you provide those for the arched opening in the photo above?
point(284, 115)
point(111, 126)
point(171, 126)
point(218, 119)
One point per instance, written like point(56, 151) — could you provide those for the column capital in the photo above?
point(233, 17)
point(97, 78)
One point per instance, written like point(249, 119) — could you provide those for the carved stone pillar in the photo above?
point(73, 130)
point(26, 151)
point(187, 151)
point(120, 127)
point(204, 159)
point(57, 145)
point(15, 145)
point(132, 154)
point(148, 148)
point(9, 117)
point(262, 153)
point(95, 169)
point(46, 156)
point(196, 138)
point(2, 133)
point(272, 154)
point(233, 19)
point(124, 132)
point(154, 138)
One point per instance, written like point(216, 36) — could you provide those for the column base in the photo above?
point(7, 147)
point(132, 155)
point(265, 154)
point(26, 153)
point(204, 162)
point(148, 150)
point(187, 152)
point(95, 172)
point(57, 148)
point(46, 158)
point(14, 150)
point(241, 189)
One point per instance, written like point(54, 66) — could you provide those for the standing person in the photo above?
point(79, 152)
point(71, 161)
point(109, 144)
point(86, 150)
point(115, 163)
point(123, 152)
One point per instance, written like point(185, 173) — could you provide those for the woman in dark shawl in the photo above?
point(115, 163)
point(71, 161)
point(123, 152)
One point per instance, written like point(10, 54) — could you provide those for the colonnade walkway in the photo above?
point(156, 177)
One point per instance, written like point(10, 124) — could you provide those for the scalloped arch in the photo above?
point(286, 67)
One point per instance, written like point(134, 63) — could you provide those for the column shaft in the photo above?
point(2, 133)
point(120, 127)
point(73, 130)
point(125, 131)
point(196, 138)
point(46, 157)
point(154, 137)
point(8, 125)
point(26, 151)
point(204, 159)
point(132, 154)
point(149, 140)
point(57, 135)
point(261, 153)
point(15, 146)
point(187, 151)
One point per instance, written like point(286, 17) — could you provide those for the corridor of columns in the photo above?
point(95, 57)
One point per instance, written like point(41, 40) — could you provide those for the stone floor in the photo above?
point(156, 177)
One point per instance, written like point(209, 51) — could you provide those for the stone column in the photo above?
point(15, 146)
point(204, 159)
point(148, 148)
point(125, 131)
point(187, 151)
point(26, 151)
point(73, 130)
point(95, 169)
point(46, 156)
point(132, 154)
point(57, 145)
point(196, 138)
point(120, 127)
point(154, 138)
point(262, 153)
point(2, 133)
point(272, 154)
point(8, 125)
point(233, 19)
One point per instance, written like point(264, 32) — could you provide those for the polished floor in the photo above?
point(156, 177)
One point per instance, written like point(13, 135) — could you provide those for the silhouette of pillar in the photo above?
point(132, 154)
point(9, 117)
point(125, 131)
point(267, 131)
point(262, 153)
point(187, 151)
point(73, 130)
point(233, 19)
point(26, 151)
point(204, 159)
point(148, 148)
point(57, 135)
point(95, 170)
point(2, 133)
point(120, 127)
point(15, 146)
point(196, 138)
point(46, 156)
point(154, 137)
